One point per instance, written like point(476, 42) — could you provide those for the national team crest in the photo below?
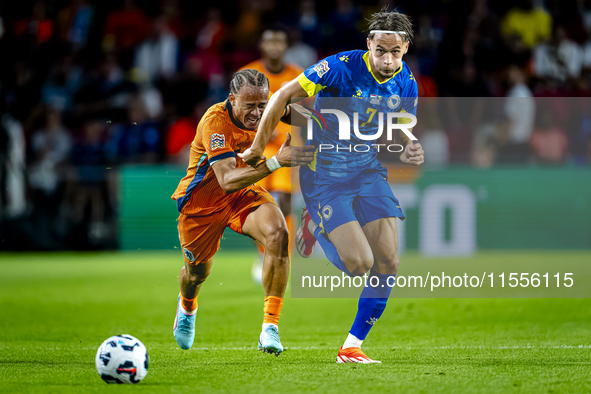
point(321, 68)
point(189, 255)
point(218, 141)
point(326, 212)
point(394, 101)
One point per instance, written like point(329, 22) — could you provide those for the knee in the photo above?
point(391, 265)
point(277, 238)
point(358, 265)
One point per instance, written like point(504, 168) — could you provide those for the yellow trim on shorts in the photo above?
point(312, 164)
point(321, 219)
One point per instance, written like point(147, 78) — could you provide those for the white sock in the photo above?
point(189, 313)
point(265, 325)
point(312, 226)
point(352, 341)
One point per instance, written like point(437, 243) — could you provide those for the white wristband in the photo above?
point(273, 164)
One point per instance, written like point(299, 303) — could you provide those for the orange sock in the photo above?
point(272, 309)
point(189, 304)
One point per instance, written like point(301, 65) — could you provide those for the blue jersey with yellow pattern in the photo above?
point(346, 82)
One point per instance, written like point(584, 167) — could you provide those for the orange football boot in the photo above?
point(354, 355)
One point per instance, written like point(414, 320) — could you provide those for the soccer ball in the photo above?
point(122, 359)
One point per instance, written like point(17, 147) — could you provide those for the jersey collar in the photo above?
point(366, 60)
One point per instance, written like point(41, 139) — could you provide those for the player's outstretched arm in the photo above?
point(270, 119)
point(232, 179)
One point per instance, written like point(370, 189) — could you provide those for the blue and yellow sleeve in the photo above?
point(322, 75)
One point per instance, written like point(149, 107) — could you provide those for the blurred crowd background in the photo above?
point(87, 86)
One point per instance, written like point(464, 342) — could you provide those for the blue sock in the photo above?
point(372, 303)
point(330, 251)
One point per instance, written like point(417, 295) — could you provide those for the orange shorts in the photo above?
point(200, 235)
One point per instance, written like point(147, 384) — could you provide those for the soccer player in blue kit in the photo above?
point(350, 208)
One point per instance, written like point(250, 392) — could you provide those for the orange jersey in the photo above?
point(218, 136)
point(280, 180)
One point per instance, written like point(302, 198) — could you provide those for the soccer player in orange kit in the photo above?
point(273, 46)
point(219, 191)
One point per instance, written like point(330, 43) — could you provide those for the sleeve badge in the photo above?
point(321, 68)
point(218, 141)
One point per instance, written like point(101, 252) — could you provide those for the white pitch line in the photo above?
point(404, 348)
point(249, 348)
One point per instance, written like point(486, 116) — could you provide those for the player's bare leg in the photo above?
point(354, 250)
point(352, 247)
point(345, 246)
point(191, 278)
point(267, 225)
point(284, 202)
point(382, 236)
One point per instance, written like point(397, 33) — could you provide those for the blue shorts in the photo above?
point(366, 198)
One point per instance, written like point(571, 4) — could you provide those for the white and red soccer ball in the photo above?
point(122, 359)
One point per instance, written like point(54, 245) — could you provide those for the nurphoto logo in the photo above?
point(345, 130)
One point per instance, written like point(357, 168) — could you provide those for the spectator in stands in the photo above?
point(560, 58)
point(212, 32)
point(125, 28)
point(300, 53)
point(137, 140)
point(105, 92)
point(13, 202)
point(206, 60)
point(90, 180)
point(157, 56)
point(520, 111)
point(151, 98)
point(343, 21)
point(38, 26)
point(74, 22)
point(532, 24)
point(549, 142)
point(181, 134)
point(50, 146)
point(171, 13)
point(62, 84)
point(309, 23)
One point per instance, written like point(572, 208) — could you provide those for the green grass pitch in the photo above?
point(55, 310)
